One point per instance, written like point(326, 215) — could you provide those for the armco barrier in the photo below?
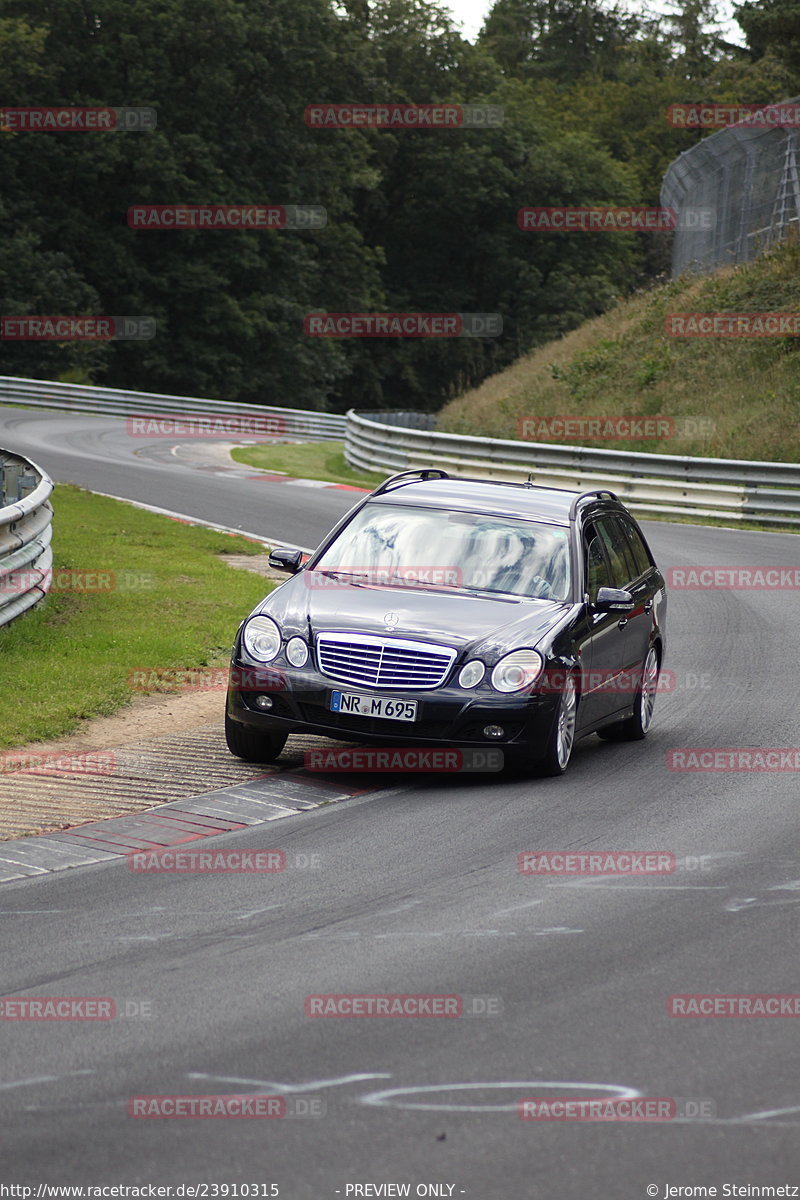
point(73, 397)
point(26, 557)
point(764, 492)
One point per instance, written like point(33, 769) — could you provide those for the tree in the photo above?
point(695, 29)
point(418, 220)
point(557, 39)
point(230, 82)
point(772, 27)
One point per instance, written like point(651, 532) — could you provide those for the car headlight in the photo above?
point(297, 652)
point(262, 638)
point(517, 670)
point(471, 674)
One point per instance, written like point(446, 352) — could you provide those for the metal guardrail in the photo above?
point(26, 556)
point(763, 492)
point(73, 397)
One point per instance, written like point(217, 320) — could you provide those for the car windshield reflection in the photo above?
point(459, 552)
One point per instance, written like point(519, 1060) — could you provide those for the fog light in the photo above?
point(264, 702)
point(494, 731)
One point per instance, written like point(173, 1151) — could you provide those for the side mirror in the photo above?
point(613, 600)
point(286, 560)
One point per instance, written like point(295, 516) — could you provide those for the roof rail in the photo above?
point(594, 492)
point(404, 477)
point(529, 485)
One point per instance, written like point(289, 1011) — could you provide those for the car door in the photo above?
point(633, 566)
point(603, 654)
point(643, 587)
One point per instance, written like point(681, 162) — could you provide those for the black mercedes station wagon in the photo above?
point(464, 613)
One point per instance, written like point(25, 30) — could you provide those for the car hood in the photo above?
point(449, 619)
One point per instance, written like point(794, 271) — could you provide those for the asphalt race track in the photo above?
point(417, 891)
point(98, 453)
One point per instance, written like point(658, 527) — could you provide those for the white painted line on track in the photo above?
point(774, 1112)
point(177, 516)
point(382, 1099)
point(270, 1086)
point(501, 912)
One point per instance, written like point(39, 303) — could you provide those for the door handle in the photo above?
point(622, 622)
point(648, 606)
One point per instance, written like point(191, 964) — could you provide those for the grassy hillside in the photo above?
point(624, 364)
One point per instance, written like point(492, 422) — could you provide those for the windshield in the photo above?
point(399, 545)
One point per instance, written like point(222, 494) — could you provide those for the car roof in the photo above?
point(528, 502)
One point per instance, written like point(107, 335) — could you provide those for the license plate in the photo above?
point(387, 707)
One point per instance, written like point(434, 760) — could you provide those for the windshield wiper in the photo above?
point(415, 581)
point(456, 589)
point(343, 574)
point(386, 581)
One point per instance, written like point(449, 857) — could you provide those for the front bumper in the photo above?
point(446, 716)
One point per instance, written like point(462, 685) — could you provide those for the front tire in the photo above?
point(562, 736)
point(252, 745)
point(634, 728)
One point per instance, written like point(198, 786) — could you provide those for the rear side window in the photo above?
point(638, 548)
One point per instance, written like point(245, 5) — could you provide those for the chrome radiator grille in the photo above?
point(369, 661)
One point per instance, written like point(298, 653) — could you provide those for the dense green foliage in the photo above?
point(418, 220)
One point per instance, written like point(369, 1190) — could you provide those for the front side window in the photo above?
point(469, 552)
point(597, 575)
point(623, 568)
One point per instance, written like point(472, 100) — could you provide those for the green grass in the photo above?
point(752, 526)
point(69, 659)
point(624, 364)
point(311, 460)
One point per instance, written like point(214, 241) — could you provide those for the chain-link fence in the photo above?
point(747, 176)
